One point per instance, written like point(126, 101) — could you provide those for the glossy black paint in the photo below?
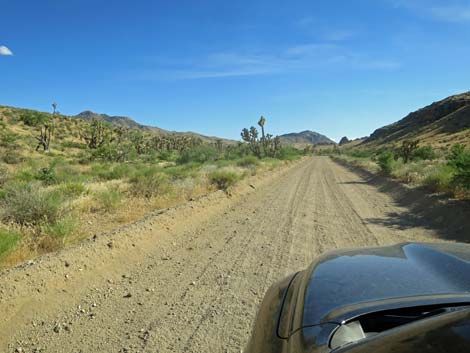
point(302, 312)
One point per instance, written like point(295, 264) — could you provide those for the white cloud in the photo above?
point(5, 51)
point(298, 58)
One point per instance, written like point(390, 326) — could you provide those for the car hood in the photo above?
point(347, 283)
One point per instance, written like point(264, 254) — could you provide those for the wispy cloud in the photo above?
point(5, 51)
point(457, 11)
point(297, 58)
point(452, 13)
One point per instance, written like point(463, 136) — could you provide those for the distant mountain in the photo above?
point(344, 141)
point(130, 123)
point(432, 124)
point(306, 137)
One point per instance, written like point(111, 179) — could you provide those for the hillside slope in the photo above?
point(306, 137)
point(441, 123)
point(130, 123)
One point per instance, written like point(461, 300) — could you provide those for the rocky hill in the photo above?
point(441, 123)
point(132, 124)
point(306, 137)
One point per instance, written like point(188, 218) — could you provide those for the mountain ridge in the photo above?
point(433, 123)
point(306, 137)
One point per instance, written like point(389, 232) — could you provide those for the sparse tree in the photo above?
point(45, 136)
point(261, 123)
point(97, 134)
point(407, 149)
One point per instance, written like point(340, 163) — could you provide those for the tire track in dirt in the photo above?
point(191, 280)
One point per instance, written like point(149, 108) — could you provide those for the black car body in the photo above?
point(403, 298)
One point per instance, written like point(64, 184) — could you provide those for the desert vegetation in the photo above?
point(63, 179)
point(439, 170)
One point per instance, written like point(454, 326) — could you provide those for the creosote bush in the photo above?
point(149, 183)
point(223, 179)
point(27, 204)
point(385, 161)
point(109, 199)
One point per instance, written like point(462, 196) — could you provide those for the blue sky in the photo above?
point(336, 67)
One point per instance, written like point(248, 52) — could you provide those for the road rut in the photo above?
point(191, 279)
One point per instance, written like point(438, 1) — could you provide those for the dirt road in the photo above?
point(190, 279)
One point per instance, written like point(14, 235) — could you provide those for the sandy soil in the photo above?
point(190, 279)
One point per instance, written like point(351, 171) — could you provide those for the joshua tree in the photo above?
point(261, 122)
point(45, 131)
point(44, 138)
point(270, 144)
point(407, 149)
point(96, 135)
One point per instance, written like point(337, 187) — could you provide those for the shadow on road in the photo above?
point(450, 219)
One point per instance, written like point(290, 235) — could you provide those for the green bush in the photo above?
point(223, 179)
point(288, 153)
point(461, 167)
point(47, 176)
point(8, 139)
point(110, 171)
point(357, 153)
point(180, 172)
point(12, 158)
point(456, 153)
point(28, 204)
point(149, 183)
point(62, 228)
point(385, 161)
point(199, 154)
point(248, 161)
point(72, 189)
point(8, 241)
point(108, 200)
point(439, 179)
point(424, 153)
point(72, 144)
point(34, 118)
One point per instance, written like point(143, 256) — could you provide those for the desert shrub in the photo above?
point(385, 161)
point(8, 241)
point(461, 167)
point(248, 161)
point(68, 174)
point(456, 153)
point(72, 144)
point(223, 179)
point(199, 154)
point(149, 183)
point(359, 153)
point(182, 171)
point(72, 189)
point(439, 179)
point(109, 199)
point(25, 175)
point(11, 157)
point(288, 153)
point(110, 171)
point(34, 118)
point(113, 152)
point(62, 228)
point(8, 139)
point(46, 175)
point(26, 203)
point(424, 153)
